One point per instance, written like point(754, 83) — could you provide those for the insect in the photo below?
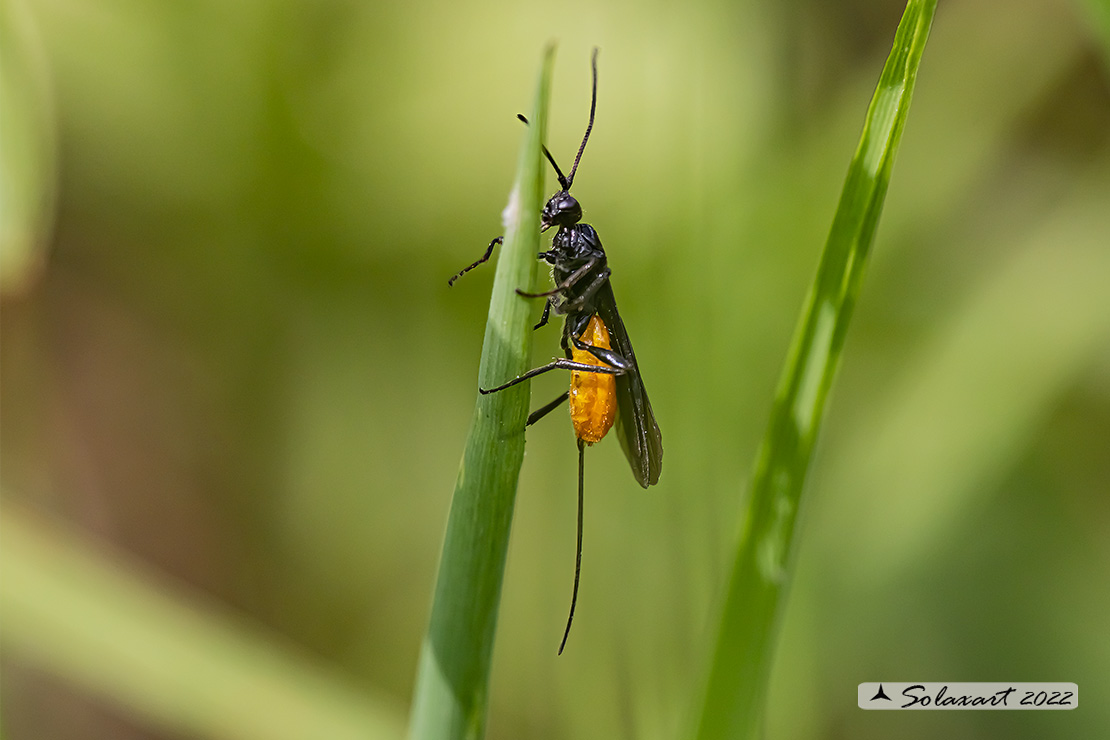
point(605, 383)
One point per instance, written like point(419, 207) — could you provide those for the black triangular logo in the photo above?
point(881, 695)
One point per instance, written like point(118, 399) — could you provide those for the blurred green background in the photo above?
point(235, 384)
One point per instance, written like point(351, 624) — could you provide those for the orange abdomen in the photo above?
point(593, 396)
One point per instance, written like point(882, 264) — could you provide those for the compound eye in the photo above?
point(570, 210)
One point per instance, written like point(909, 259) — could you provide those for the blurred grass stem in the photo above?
point(739, 668)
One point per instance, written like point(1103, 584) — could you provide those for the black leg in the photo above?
point(573, 278)
point(559, 364)
point(485, 258)
point(608, 356)
point(545, 410)
point(546, 313)
point(594, 286)
point(573, 330)
point(554, 291)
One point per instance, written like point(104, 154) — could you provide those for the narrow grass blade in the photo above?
point(27, 150)
point(451, 685)
point(90, 617)
point(736, 683)
point(1099, 13)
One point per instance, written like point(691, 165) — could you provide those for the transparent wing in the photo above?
point(639, 433)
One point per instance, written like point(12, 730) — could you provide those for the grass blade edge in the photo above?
point(450, 696)
point(738, 670)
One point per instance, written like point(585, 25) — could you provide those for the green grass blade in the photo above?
point(738, 674)
point(185, 666)
point(451, 684)
point(1099, 13)
point(27, 149)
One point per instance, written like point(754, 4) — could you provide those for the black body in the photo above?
point(580, 269)
point(582, 290)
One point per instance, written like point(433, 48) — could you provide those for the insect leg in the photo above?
point(608, 356)
point(546, 313)
point(573, 278)
point(545, 410)
point(588, 293)
point(559, 364)
point(485, 258)
point(573, 334)
point(554, 291)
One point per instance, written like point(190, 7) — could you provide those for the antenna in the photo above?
point(565, 182)
point(558, 172)
point(590, 125)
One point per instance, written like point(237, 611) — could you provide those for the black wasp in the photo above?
point(605, 379)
